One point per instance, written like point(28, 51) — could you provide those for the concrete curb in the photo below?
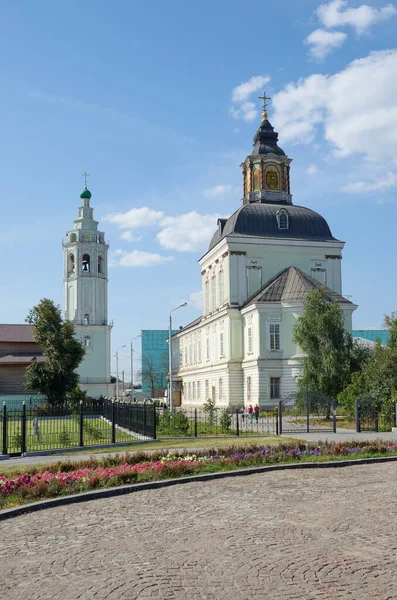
point(9, 513)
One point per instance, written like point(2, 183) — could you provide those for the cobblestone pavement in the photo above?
point(323, 534)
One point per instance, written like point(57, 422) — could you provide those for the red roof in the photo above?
point(16, 333)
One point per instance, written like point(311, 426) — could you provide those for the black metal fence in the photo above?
point(306, 412)
point(370, 418)
point(213, 421)
point(25, 428)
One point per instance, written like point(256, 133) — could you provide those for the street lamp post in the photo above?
point(117, 372)
point(171, 390)
point(132, 364)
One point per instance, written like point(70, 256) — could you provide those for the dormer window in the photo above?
point(282, 219)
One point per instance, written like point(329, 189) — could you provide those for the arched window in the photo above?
point(85, 264)
point(86, 319)
point(71, 263)
point(282, 219)
point(87, 341)
point(100, 264)
point(72, 237)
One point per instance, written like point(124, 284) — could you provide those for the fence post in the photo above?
point(144, 419)
point(195, 422)
point(358, 424)
point(23, 428)
point(154, 421)
point(113, 440)
point(4, 450)
point(81, 424)
point(280, 417)
point(275, 416)
point(376, 423)
point(307, 411)
point(237, 423)
point(334, 416)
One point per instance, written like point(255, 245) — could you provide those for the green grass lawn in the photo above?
point(61, 433)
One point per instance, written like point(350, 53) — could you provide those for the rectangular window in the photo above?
point(213, 294)
point(199, 350)
point(194, 390)
point(194, 351)
point(198, 391)
point(190, 353)
point(185, 356)
point(220, 389)
point(249, 344)
point(207, 389)
point(221, 348)
point(274, 335)
point(221, 288)
point(207, 297)
point(207, 343)
point(275, 387)
point(249, 389)
point(180, 355)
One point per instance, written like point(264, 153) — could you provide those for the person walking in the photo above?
point(256, 413)
point(250, 413)
point(242, 414)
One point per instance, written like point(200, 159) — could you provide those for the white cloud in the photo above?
point(196, 300)
point(312, 170)
point(138, 258)
point(242, 107)
point(383, 182)
point(190, 232)
point(355, 108)
point(323, 42)
point(337, 13)
point(129, 236)
point(136, 217)
point(217, 191)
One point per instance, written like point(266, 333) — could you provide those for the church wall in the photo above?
point(272, 258)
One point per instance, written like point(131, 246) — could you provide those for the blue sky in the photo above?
point(148, 98)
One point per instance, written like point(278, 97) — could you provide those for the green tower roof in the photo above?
point(85, 194)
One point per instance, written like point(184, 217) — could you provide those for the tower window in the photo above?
point(85, 264)
point(71, 263)
point(282, 219)
point(100, 264)
point(87, 342)
point(86, 319)
point(72, 237)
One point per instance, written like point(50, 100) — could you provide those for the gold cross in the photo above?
point(264, 98)
point(85, 175)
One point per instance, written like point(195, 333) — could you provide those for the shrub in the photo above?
point(225, 420)
point(64, 438)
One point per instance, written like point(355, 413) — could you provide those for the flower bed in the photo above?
point(64, 478)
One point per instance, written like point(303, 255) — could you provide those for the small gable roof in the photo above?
point(291, 284)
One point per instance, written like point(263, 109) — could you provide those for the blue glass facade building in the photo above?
point(154, 344)
point(372, 335)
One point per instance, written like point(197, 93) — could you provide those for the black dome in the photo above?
point(259, 220)
point(265, 140)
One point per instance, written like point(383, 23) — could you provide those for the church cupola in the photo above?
point(266, 169)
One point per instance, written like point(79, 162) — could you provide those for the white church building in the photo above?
point(260, 264)
point(86, 297)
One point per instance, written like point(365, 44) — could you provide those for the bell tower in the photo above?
point(86, 295)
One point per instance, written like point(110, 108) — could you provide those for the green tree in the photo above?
point(327, 346)
point(56, 377)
